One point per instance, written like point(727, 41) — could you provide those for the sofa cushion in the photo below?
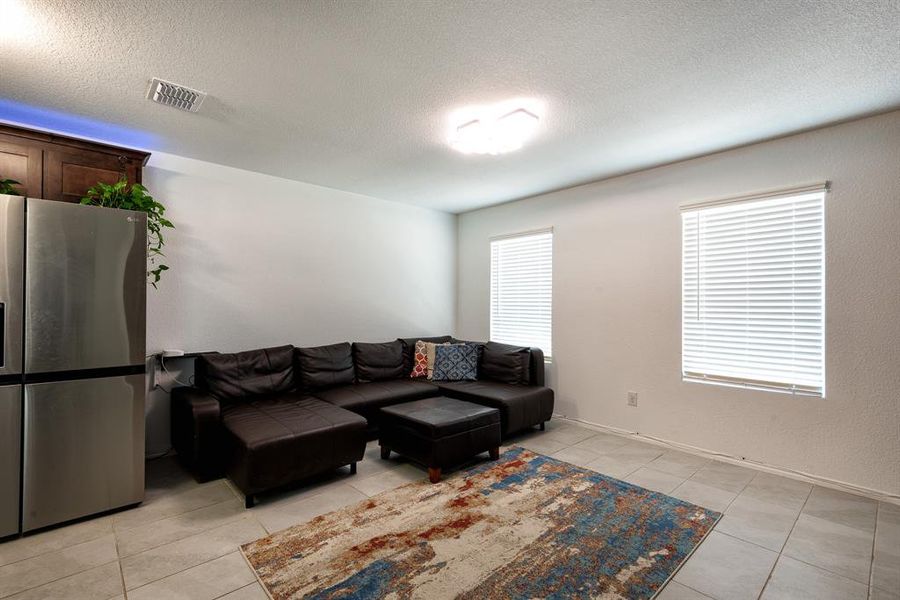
point(234, 377)
point(520, 406)
point(366, 398)
point(278, 439)
point(409, 348)
point(323, 367)
point(378, 362)
point(505, 364)
point(458, 362)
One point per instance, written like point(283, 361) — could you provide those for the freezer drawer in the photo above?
point(10, 438)
point(86, 285)
point(84, 448)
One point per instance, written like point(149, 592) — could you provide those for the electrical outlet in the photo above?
point(632, 398)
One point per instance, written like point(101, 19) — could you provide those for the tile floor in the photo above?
point(779, 538)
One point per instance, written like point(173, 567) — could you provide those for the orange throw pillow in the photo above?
point(420, 361)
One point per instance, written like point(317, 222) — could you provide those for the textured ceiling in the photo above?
point(355, 95)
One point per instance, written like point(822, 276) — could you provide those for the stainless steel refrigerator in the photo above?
point(72, 361)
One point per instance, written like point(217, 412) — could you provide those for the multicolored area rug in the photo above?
point(526, 526)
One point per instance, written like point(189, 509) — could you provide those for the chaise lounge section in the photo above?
point(246, 419)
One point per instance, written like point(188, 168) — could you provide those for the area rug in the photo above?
point(526, 526)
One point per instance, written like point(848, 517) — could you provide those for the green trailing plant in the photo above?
point(135, 197)
point(8, 187)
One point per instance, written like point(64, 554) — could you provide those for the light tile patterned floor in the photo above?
point(779, 538)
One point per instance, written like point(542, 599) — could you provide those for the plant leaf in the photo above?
point(134, 197)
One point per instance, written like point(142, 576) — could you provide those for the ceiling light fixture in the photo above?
point(494, 129)
point(16, 24)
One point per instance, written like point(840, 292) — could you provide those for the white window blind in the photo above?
point(752, 292)
point(522, 290)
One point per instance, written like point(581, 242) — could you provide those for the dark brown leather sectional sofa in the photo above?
point(274, 416)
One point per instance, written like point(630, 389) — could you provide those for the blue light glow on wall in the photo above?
point(27, 115)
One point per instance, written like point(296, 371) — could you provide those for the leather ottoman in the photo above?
point(439, 432)
point(284, 438)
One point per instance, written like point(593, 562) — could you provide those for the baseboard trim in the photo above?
point(879, 495)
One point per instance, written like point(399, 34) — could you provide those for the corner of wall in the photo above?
point(456, 280)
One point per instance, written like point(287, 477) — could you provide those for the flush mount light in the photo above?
point(16, 24)
point(494, 129)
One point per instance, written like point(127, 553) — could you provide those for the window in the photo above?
point(752, 292)
point(522, 290)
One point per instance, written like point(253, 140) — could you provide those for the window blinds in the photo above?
point(752, 292)
point(522, 290)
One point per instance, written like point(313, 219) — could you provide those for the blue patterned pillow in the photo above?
point(458, 362)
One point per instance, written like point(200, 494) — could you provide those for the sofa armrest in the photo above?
point(537, 366)
point(197, 431)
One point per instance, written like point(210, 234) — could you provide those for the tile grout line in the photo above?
point(255, 582)
point(749, 481)
point(228, 521)
point(683, 479)
point(727, 506)
point(119, 564)
point(60, 549)
point(259, 522)
point(689, 587)
point(200, 564)
point(40, 585)
point(872, 561)
point(646, 466)
point(178, 514)
point(784, 544)
point(723, 515)
point(237, 549)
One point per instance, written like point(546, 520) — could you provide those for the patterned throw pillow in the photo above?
point(458, 362)
point(420, 361)
point(429, 356)
point(423, 359)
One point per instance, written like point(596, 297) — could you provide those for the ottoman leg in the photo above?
point(249, 501)
point(353, 468)
point(434, 474)
point(385, 452)
point(495, 453)
point(544, 426)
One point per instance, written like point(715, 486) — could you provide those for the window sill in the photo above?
point(758, 387)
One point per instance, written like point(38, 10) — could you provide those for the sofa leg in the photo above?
point(385, 452)
point(544, 426)
point(249, 502)
point(494, 453)
point(434, 474)
point(353, 468)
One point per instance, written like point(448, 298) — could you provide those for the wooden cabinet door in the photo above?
point(22, 163)
point(69, 174)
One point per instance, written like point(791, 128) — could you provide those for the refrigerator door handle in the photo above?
point(12, 275)
point(2, 334)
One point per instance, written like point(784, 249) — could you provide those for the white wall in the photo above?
point(617, 303)
point(261, 261)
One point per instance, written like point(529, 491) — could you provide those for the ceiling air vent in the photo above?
point(178, 96)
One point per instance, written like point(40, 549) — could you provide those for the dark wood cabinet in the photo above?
point(22, 163)
point(57, 167)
